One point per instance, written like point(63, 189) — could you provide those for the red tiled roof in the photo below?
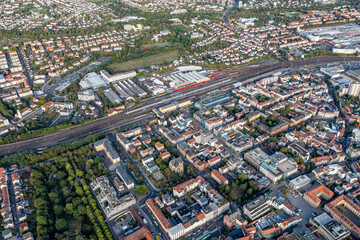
point(219, 176)
point(157, 212)
point(314, 193)
point(332, 208)
point(140, 234)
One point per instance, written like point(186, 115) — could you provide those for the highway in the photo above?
point(141, 112)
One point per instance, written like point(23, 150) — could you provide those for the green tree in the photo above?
point(285, 191)
point(242, 177)
point(58, 210)
point(141, 190)
point(61, 225)
point(167, 144)
point(41, 220)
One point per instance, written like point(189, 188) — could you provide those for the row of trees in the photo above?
point(36, 129)
point(31, 157)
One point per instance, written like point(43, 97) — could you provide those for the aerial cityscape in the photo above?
point(179, 119)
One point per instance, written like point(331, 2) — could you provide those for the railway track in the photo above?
point(110, 123)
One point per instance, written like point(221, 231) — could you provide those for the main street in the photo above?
point(140, 112)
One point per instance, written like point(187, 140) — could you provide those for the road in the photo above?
point(138, 113)
point(13, 205)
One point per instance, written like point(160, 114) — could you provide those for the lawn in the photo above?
point(164, 44)
point(94, 1)
point(36, 9)
point(144, 62)
point(74, 226)
point(180, 27)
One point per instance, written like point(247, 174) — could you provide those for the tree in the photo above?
point(141, 190)
point(41, 220)
point(69, 208)
point(82, 210)
point(243, 187)
point(167, 144)
point(86, 229)
point(58, 210)
point(189, 171)
point(285, 191)
point(225, 229)
point(61, 225)
point(242, 177)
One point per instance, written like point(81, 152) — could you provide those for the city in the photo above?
point(180, 119)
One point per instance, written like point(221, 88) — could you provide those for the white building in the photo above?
point(107, 198)
point(117, 77)
point(129, 27)
point(92, 80)
point(354, 89)
point(299, 182)
point(86, 96)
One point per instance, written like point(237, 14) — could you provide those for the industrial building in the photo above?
point(128, 89)
point(346, 44)
point(112, 96)
point(92, 80)
point(213, 99)
point(117, 77)
point(181, 79)
point(328, 33)
point(86, 96)
point(174, 106)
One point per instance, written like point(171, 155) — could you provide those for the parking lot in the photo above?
point(61, 83)
point(121, 226)
point(299, 202)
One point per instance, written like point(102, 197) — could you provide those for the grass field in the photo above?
point(94, 1)
point(36, 9)
point(180, 27)
point(165, 44)
point(144, 62)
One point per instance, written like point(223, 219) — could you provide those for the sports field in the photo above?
point(144, 62)
point(180, 27)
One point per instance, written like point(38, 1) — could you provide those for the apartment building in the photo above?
point(106, 146)
point(256, 208)
point(108, 201)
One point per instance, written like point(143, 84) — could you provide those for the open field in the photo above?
point(144, 62)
